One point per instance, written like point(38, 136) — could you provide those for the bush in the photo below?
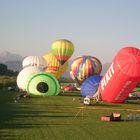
point(6, 81)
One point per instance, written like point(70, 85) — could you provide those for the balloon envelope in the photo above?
point(24, 74)
point(37, 61)
point(43, 84)
point(85, 66)
point(62, 50)
point(54, 67)
point(122, 76)
point(90, 85)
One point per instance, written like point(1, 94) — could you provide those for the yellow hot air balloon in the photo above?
point(62, 49)
point(54, 67)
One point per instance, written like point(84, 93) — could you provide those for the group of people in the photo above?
point(21, 94)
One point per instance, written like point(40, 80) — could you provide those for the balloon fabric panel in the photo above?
point(54, 67)
point(62, 49)
point(85, 66)
point(122, 76)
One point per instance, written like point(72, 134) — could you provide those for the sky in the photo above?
point(99, 28)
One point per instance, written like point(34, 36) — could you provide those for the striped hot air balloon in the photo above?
point(62, 50)
point(85, 66)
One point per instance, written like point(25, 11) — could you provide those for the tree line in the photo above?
point(4, 71)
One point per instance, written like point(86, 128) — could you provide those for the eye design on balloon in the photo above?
point(42, 87)
point(43, 84)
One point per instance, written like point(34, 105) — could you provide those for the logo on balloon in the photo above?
point(53, 68)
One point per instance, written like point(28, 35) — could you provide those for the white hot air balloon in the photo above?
point(37, 61)
point(24, 74)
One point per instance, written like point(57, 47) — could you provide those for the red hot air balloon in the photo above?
point(122, 76)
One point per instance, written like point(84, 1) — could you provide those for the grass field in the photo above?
point(54, 118)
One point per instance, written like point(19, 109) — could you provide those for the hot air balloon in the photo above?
point(42, 84)
point(122, 76)
point(24, 74)
point(37, 61)
point(85, 66)
point(90, 85)
point(62, 50)
point(54, 67)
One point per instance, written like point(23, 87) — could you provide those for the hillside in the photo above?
point(8, 56)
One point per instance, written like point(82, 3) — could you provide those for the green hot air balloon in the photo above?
point(62, 49)
point(43, 84)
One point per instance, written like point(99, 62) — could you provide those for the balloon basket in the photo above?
point(115, 116)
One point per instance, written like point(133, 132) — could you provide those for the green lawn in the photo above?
point(54, 118)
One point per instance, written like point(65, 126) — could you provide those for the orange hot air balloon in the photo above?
point(85, 66)
point(54, 67)
point(62, 50)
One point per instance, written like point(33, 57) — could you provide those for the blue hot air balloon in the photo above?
point(90, 85)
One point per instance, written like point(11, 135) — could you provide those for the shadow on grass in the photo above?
point(70, 94)
point(105, 105)
point(135, 102)
point(43, 113)
point(27, 115)
point(4, 135)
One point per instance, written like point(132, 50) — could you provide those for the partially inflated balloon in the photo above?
point(24, 74)
point(54, 67)
point(37, 61)
point(85, 66)
point(43, 84)
point(90, 85)
point(122, 76)
point(62, 50)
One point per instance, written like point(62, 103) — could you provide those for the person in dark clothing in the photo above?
point(21, 94)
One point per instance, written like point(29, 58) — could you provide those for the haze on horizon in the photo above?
point(96, 27)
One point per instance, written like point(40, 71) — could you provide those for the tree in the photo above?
point(3, 69)
point(6, 72)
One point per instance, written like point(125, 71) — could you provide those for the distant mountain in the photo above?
point(14, 65)
point(12, 60)
point(7, 56)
